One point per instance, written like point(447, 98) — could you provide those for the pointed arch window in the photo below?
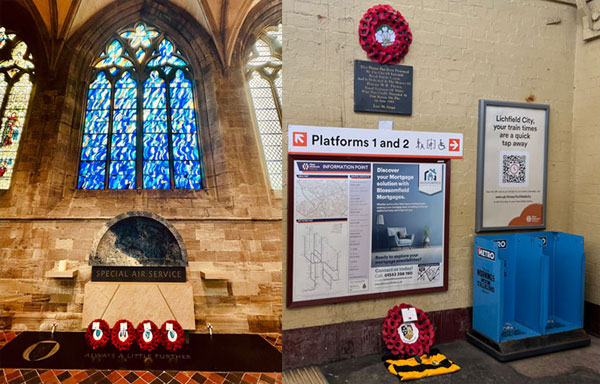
point(16, 74)
point(264, 71)
point(140, 128)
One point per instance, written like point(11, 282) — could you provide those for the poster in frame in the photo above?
point(352, 237)
point(512, 158)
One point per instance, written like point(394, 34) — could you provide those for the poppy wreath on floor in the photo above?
point(407, 339)
point(123, 335)
point(147, 335)
point(384, 34)
point(97, 334)
point(171, 335)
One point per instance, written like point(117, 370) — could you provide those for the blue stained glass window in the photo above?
point(156, 153)
point(123, 148)
point(92, 169)
point(91, 174)
point(187, 175)
point(140, 101)
point(165, 55)
point(185, 145)
point(156, 174)
point(183, 121)
point(122, 175)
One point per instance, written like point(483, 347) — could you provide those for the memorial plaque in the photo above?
point(382, 88)
point(139, 274)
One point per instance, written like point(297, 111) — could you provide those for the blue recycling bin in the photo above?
point(527, 286)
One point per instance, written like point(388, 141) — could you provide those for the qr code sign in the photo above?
point(514, 169)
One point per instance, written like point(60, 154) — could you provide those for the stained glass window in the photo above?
point(264, 72)
point(16, 74)
point(140, 128)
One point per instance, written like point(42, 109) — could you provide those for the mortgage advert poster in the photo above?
point(367, 227)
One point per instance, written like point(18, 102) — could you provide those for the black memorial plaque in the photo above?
point(382, 88)
point(139, 274)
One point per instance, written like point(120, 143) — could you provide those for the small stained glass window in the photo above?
point(140, 128)
point(16, 75)
point(264, 71)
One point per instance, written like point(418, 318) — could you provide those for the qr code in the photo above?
point(514, 169)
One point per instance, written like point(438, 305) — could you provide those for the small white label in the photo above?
point(408, 333)
point(147, 335)
point(97, 334)
point(409, 314)
point(123, 335)
point(386, 125)
point(171, 334)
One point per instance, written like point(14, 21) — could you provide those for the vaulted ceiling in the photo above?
point(222, 19)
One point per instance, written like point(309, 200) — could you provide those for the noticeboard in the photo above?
point(363, 227)
point(511, 166)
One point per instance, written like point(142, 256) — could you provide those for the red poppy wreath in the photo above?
point(407, 338)
point(97, 334)
point(171, 335)
point(147, 335)
point(123, 335)
point(384, 34)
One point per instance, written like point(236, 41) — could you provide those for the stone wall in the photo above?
point(461, 52)
point(246, 253)
point(234, 227)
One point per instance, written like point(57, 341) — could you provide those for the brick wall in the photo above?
point(585, 201)
point(461, 52)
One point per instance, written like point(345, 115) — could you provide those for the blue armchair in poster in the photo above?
point(397, 237)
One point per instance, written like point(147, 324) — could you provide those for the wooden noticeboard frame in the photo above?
point(391, 162)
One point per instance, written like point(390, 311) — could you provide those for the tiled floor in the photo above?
point(34, 376)
point(272, 338)
point(6, 336)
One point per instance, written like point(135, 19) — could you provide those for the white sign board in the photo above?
point(511, 166)
point(373, 142)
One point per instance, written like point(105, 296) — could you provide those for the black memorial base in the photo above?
point(217, 353)
point(528, 347)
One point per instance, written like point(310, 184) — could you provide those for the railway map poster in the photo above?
point(364, 229)
point(511, 166)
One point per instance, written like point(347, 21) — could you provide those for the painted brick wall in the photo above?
point(462, 51)
point(585, 202)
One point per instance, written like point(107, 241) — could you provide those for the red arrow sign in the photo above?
point(454, 145)
point(300, 139)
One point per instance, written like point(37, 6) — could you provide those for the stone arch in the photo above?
point(260, 17)
point(138, 238)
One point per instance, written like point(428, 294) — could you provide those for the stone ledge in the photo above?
point(215, 275)
point(66, 274)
